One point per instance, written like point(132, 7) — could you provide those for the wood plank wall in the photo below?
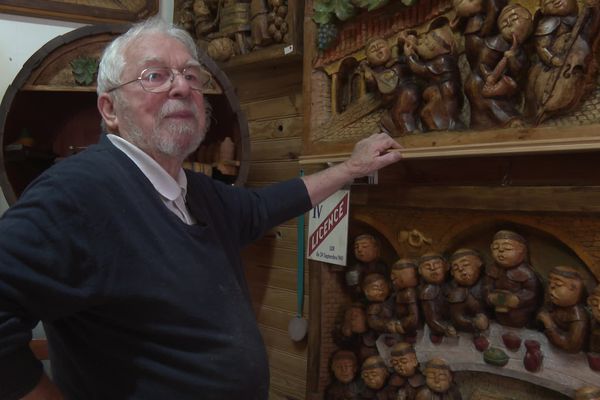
point(271, 99)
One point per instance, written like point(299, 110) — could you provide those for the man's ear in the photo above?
point(106, 107)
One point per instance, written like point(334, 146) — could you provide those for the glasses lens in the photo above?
point(156, 79)
point(196, 77)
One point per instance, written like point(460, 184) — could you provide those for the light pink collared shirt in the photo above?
point(171, 191)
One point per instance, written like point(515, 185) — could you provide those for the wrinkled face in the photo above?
point(377, 290)
point(344, 370)
point(365, 250)
point(438, 380)
point(466, 270)
point(405, 365)
point(433, 271)
point(374, 377)
point(404, 278)
point(515, 23)
point(170, 123)
point(594, 303)
point(467, 8)
point(559, 7)
point(357, 319)
point(508, 253)
point(378, 52)
point(564, 291)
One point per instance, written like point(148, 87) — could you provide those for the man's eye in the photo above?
point(156, 76)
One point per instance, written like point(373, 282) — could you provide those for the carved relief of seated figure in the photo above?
point(565, 319)
point(407, 377)
point(367, 251)
point(439, 383)
point(381, 313)
point(433, 270)
point(404, 281)
point(511, 285)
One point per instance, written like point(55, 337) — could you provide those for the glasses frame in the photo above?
point(174, 73)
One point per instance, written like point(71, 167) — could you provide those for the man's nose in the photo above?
point(179, 85)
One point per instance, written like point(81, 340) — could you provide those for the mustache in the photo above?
point(177, 105)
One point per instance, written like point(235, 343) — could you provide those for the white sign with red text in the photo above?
point(328, 229)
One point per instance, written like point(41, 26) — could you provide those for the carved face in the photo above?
point(466, 269)
point(559, 7)
point(437, 379)
point(374, 377)
point(357, 319)
point(404, 278)
point(515, 22)
point(378, 52)
point(432, 44)
point(594, 303)
point(467, 8)
point(366, 250)
point(433, 270)
point(564, 291)
point(344, 369)
point(508, 253)
point(377, 290)
point(405, 365)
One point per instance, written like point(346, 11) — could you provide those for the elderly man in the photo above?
point(134, 264)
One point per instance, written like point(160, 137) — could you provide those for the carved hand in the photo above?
point(450, 331)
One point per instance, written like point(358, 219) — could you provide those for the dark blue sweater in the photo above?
point(136, 304)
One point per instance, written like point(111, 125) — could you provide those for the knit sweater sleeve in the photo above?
point(44, 274)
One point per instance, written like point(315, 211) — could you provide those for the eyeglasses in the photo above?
point(160, 79)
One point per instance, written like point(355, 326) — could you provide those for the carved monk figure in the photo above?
point(407, 377)
point(494, 86)
point(381, 315)
point(367, 252)
point(594, 304)
point(352, 331)
point(511, 285)
point(565, 319)
point(587, 393)
point(345, 386)
point(395, 82)
point(465, 294)
point(439, 382)
point(563, 40)
point(434, 270)
point(375, 374)
point(432, 57)
point(404, 281)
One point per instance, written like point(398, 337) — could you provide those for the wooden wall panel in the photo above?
point(271, 100)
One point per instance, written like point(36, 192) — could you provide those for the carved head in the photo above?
point(378, 51)
point(366, 248)
point(355, 319)
point(465, 266)
point(404, 274)
point(587, 393)
point(376, 287)
point(438, 376)
point(467, 8)
point(565, 286)
point(437, 41)
point(433, 268)
point(559, 7)
point(509, 249)
point(374, 372)
point(404, 359)
point(516, 20)
point(344, 366)
point(594, 303)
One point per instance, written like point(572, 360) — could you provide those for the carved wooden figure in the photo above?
point(367, 251)
point(433, 270)
point(494, 87)
point(345, 386)
point(404, 282)
point(565, 319)
point(432, 57)
point(396, 84)
point(587, 393)
point(375, 374)
point(381, 313)
point(563, 40)
point(511, 285)
point(259, 24)
point(465, 294)
point(439, 382)
point(407, 377)
point(352, 332)
point(593, 302)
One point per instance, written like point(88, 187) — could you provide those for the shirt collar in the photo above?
point(164, 183)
